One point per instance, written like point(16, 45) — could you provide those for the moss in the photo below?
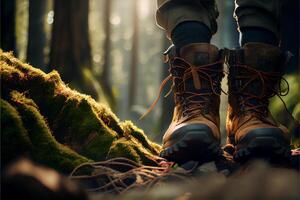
point(132, 149)
point(130, 129)
point(45, 149)
point(14, 138)
point(85, 131)
point(68, 119)
point(123, 148)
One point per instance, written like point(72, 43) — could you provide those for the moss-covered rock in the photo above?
point(61, 127)
point(14, 138)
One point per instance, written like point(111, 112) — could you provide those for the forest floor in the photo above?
point(42, 119)
point(258, 181)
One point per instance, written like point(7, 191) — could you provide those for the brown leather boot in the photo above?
point(255, 74)
point(194, 133)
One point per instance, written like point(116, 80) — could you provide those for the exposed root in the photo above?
point(119, 175)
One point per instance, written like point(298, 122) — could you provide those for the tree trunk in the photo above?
point(70, 52)
point(105, 75)
point(36, 33)
point(134, 56)
point(8, 32)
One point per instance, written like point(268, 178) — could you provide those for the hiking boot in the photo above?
point(194, 133)
point(255, 75)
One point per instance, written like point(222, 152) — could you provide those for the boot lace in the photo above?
point(271, 85)
point(192, 103)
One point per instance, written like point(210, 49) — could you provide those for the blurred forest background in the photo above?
point(112, 50)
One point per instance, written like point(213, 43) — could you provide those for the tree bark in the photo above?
point(8, 31)
point(134, 56)
point(105, 75)
point(36, 33)
point(70, 47)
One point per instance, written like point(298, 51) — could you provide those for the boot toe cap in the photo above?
point(189, 132)
point(273, 133)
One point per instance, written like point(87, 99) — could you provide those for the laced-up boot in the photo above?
point(194, 133)
point(255, 75)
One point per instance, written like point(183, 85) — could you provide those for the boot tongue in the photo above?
point(199, 54)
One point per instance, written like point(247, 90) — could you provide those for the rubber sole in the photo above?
point(271, 147)
point(195, 145)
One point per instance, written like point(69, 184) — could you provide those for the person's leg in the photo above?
point(196, 69)
point(171, 13)
point(259, 35)
point(187, 22)
point(255, 73)
point(190, 32)
point(258, 20)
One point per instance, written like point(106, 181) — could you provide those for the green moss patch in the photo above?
point(58, 126)
point(14, 138)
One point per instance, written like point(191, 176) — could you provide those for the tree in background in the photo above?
point(106, 68)
point(70, 51)
point(8, 33)
point(134, 56)
point(36, 33)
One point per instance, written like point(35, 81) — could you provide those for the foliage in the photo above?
point(292, 102)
